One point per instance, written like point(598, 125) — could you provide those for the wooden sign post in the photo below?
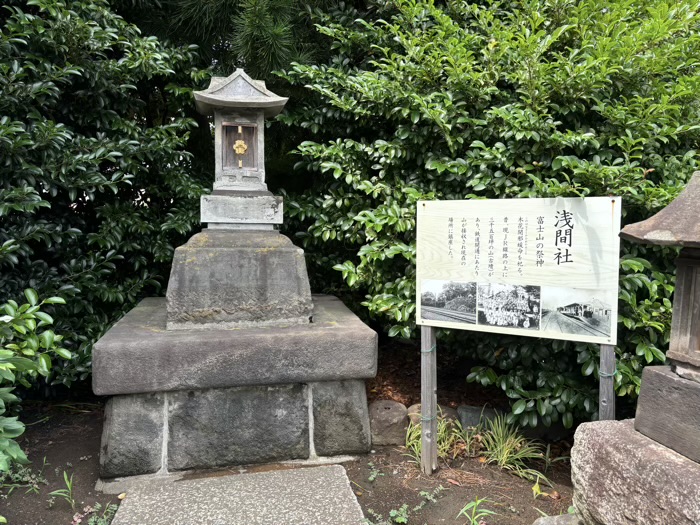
point(428, 399)
point(606, 373)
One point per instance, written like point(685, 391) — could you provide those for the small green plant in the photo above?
point(94, 516)
point(22, 477)
point(429, 497)
point(446, 439)
point(549, 459)
point(66, 493)
point(510, 450)
point(474, 513)
point(396, 516)
point(374, 472)
point(452, 440)
point(413, 442)
point(537, 490)
point(467, 440)
point(403, 513)
point(400, 515)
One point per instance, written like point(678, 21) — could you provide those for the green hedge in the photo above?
point(499, 99)
point(96, 183)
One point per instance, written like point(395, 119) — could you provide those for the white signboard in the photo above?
point(535, 267)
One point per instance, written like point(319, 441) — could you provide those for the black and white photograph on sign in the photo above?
point(577, 311)
point(509, 306)
point(448, 301)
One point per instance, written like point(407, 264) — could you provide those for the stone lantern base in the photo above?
point(622, 477)
point(189, 399)
point(645, 470)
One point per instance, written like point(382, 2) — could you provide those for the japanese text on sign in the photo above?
point(540, 267)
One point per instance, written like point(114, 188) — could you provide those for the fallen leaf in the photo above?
point(454, 482)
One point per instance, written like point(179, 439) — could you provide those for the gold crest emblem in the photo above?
point(240, 147)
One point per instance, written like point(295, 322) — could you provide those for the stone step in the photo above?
point(300, 496)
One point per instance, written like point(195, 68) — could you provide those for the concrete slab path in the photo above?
point(301, 496)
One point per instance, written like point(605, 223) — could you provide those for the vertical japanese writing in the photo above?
point(564, 227)
point(491, 247)
point(463, 251)
point(539, 243)
point(477, 245)
point(505, 247)
point(521, 245)
point(450, 236)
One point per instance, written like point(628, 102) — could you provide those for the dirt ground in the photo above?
point(65, 437)
point(59, 438)
point(386, 480)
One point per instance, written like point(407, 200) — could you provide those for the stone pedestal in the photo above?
point(187, 399)
point(235, 279)
point(622, 477)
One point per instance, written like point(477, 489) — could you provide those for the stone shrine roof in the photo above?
point(678, 224)
point(238, 91)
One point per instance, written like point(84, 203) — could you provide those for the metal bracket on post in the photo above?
point(428, 398)
point(606, 372)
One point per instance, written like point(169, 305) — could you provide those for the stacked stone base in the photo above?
point(202, 399)
point(197, 429)
point(622, 477)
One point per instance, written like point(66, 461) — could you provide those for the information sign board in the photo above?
point(533, 267)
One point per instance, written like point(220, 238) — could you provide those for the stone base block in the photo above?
point(473, 416)
point(234, 279)
point(622, 477)
point(199, 429)
point(139, 355)
point(341, 418)
point(668, 410)
point(388, 420)
point(132, 435)
point(235, 426)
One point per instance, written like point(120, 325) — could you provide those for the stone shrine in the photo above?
point(647, 470)
point(239, 363)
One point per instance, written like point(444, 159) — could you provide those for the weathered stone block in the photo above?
point(132, 435)
point(233, 279)
point(229, 207)
point(564, 519)
point(473, 416)
point(414, 413)
point(139, 355)
point(341, 420)
point(388, 421)
point(235, 426)
point(622, 477)
point(668, 410)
